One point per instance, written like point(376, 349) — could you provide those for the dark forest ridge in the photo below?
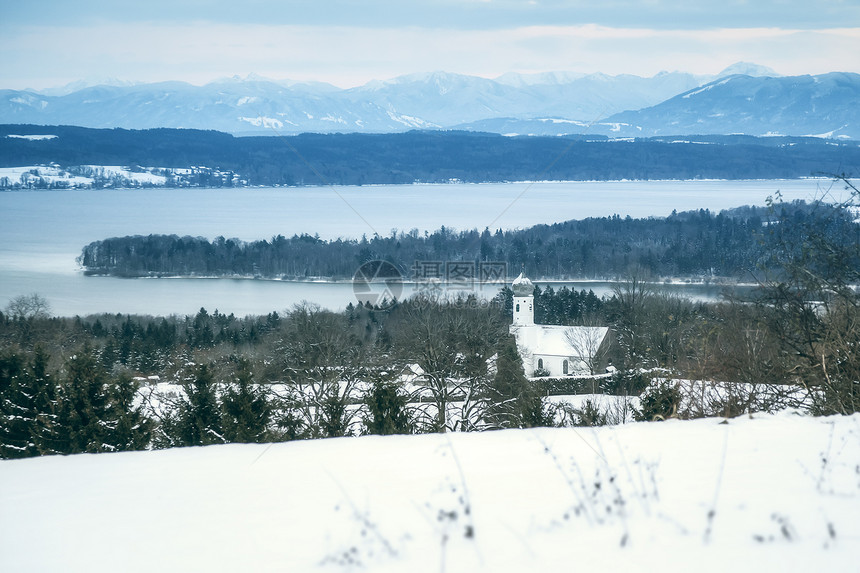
point(182, 157)
point(690, 244)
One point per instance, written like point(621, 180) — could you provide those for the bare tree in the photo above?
point(809, 297)
point(588, 344)
point(744, 359)
point(452, 342)
point(630, 299)
point(27, 306)
point(322, 364)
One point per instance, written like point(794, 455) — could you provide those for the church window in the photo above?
point(540, 363)
point(518, 307)
point(564, 367)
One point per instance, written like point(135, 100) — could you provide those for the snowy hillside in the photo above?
point(827, 105)
point(778, 493)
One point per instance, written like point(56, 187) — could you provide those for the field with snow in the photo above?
point(779, 493)
point(85, 175)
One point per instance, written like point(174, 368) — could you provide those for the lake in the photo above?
point(43, 231)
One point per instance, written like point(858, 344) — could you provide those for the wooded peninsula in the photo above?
point(697, 244)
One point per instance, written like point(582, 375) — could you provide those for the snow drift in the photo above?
point(770, 492)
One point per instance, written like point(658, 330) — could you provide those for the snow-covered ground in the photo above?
point(772, 493)
point(32, 137)
point(52, 174)
point(49, 173)
point(144, 176)
point(617, 409)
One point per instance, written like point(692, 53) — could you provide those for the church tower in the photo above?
point(524, 301)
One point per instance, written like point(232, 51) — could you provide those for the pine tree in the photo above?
point(515, 402)
point(659, 402)
point(88, 413)
point(45, 403)
point(130, 429)
point(11, 365)
point(85, 410)
point(386, 410)
point(15, 409)
point(333, 419)
point(198, 421)
point(247, 410)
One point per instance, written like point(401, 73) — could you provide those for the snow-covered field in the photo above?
point(773, 493)
point(52, 174)
point(48, 173)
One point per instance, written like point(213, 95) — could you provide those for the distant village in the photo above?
point(55, 176)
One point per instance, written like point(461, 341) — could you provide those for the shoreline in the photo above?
point(666, 281)
point(150, 187)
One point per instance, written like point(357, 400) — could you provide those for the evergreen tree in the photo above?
point(85, 409)
point(515, 402)
point(291, 425)
point(15, 409)
point(588, 414)
point(88, 413)
point(386, 410)
point(247, 409)
point(45, 403)
point(198, 421)
point(11, 365)
point(130, 429)
point(658, 402)
point(333, 420)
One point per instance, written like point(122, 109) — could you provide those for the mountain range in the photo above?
point(744, 98)
point(827, 105)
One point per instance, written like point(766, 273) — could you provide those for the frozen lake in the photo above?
point(43, 231)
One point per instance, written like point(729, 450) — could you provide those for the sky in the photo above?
point(50, 43)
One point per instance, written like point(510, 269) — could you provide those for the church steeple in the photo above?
point(524, 307)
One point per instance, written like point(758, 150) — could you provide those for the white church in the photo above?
point(553, 350)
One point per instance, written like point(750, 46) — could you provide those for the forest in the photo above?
point(424, 156)
point(118, 382)
point(701, 244)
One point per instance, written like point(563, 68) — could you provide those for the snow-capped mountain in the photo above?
point(86, 83)
point(747, 69)
point(827, 105)
point(744, 98)
point(230, 105)
point(417, 101)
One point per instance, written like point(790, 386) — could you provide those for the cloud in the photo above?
point(449, 14)
point(44, 56)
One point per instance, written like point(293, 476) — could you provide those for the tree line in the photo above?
point(71, 385)
point(689, 244)
point(117, 382)
point(427, 156)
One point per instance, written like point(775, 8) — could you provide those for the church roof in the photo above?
point(522, 286)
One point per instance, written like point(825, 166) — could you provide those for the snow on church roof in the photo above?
point(521, 280)
point(522, 286)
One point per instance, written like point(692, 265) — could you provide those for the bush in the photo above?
point(387, 410)
point(589, 415)
point(627, 383)
point(659, 402)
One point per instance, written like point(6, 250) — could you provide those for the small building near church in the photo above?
point(552, 350)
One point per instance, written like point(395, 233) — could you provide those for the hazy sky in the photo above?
point(45, 43)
